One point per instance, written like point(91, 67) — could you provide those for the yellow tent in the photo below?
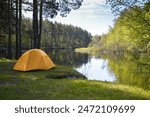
point(34, 59)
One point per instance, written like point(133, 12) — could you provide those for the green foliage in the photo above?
point(130, 32)
point(54, 35)
point(57, 35)
point(95, 41)
point(4, 23)
point(27, 33)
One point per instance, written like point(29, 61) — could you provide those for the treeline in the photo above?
point(54, 35)
point(11, 21)
point(57, 35)
point(131, 32)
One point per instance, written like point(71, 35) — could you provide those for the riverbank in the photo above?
point(60, 83)
point(90, 50)
point(87, 50)
point(96, 51)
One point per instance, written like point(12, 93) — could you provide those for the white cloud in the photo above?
point(95, 7)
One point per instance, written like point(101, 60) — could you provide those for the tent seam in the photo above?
point(27, 60)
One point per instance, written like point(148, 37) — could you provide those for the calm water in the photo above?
point(129, 71)
point(94, 68)
point(97, 69)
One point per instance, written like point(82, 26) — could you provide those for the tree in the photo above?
point(49, 8)
point(118, 6)
point(17, 31)
point(3, 23)
point(20, 27)
point(9, 49)
point(95, 41)
point(7, 25)
point(26, 33)
point(3, 17)
point(57, 35)
point(130, 32)
point(40, 23)
point(35, 24)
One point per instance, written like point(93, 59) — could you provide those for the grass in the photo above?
point(90, 50)
point(86, 50)
point(49, 85)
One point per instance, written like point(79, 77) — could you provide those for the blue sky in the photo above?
point(94, 16)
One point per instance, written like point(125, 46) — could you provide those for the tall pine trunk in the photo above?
point(35, 24)
point(40, 24)
point(9, 49)
point(20, 28)
point(17, 34)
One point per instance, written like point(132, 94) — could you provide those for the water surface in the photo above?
point(97, 69)
point(128, 70)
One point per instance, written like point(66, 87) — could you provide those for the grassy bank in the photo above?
point(60, 83)
point(87, 50)
point(90, 50)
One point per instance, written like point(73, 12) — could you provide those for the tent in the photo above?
point(34, 59)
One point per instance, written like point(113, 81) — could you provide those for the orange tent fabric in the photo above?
point(34, 59)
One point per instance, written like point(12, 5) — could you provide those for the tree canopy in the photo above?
point(130, 32)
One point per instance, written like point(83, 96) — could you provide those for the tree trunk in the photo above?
point(20, 27)
point(17, 36)
point(9, 49)
point(31, 40)
point(35, 24)
point(40, 24)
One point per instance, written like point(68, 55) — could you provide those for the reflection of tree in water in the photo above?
point(130, 71)
point(67, 57)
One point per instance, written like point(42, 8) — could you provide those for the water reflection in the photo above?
point(127, 70)
point(97, 69)
point(67, 57)
point(91, 67)
point(131, 71)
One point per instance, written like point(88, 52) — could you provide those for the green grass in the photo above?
point(45, 85)
point(94, 51)
point(86, 50)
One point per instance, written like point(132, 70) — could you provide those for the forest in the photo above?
point(18, 34)
point(130, 34)
point(54, 36)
